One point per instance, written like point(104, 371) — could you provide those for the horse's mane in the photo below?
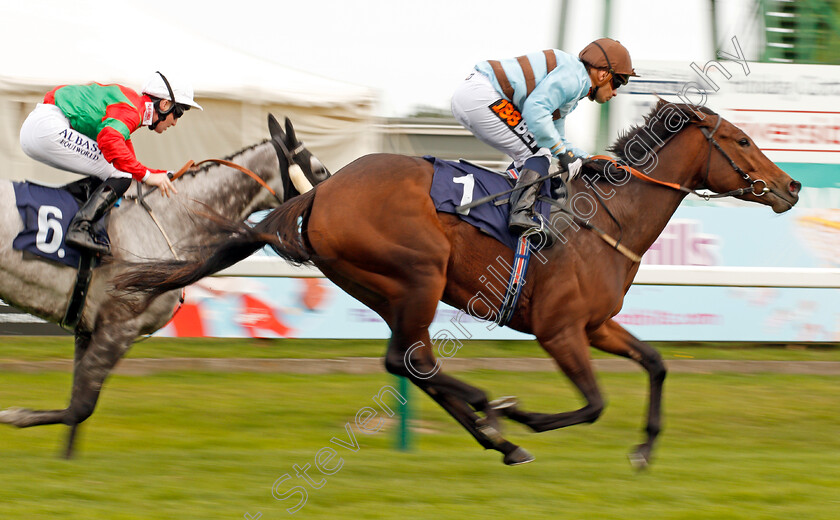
point(654, 131)
point(230, 157)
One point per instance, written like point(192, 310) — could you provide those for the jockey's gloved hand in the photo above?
point(571, 163)
point(161, 180)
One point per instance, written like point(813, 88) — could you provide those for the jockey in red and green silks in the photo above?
point(87, 129)
point(108, 114)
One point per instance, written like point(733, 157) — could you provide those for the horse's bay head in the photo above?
point(770, 184)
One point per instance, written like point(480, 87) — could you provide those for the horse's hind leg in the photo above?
point(411, 357)
point(571, 352)
point(613, 338)
point(407, 300)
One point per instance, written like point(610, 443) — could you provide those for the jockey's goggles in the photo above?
point(179, 110)
point(619, 80)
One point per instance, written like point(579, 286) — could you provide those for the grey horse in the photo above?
point(111, 321)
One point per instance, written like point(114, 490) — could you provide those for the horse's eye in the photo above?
point(744, 142)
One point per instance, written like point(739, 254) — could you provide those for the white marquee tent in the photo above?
point(47, 43)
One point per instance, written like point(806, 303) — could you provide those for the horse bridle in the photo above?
point(315, 164)
point(289, 154)
point(710, 136)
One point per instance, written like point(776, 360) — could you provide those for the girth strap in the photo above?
point(517, 279)
point(73, 313)
point(527, 72)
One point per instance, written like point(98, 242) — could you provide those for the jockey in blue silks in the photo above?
point(519, 106)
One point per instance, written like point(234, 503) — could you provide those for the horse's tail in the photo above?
point(282, 229)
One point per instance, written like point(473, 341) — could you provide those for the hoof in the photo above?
point(14, 416)
point(517, 457)
point(504, 403)
point(639, 458)
point(489, 428)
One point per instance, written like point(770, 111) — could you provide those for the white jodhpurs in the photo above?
point(46, 136)
point(472, 105)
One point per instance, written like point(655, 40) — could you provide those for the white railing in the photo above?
point(782, 277)
point(647, 275)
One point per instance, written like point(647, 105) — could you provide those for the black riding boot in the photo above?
point(522, 203)
point(80, 232)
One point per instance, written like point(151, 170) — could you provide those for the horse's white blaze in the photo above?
point(300, 181)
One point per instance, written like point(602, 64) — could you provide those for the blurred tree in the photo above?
point(801, 31)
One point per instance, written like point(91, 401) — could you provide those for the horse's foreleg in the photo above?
point(108, 345)
point(104, 349)
point(572, 355)
point(82, 342)
point(613, 338)
point(24, 417)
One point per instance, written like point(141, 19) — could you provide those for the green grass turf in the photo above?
point(35, 348)
point(207, 446)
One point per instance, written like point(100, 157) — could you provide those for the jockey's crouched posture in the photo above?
point(87, 129)
point(519, 106)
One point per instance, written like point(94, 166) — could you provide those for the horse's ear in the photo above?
point(290, 131)
point(274, 128)
point(702, 120)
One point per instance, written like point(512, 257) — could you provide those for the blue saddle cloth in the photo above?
point(453, 180)
point(46, 213)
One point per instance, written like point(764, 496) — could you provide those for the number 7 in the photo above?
point(469, 184)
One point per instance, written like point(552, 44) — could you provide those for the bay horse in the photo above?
point(373, 230)
point(109, 324)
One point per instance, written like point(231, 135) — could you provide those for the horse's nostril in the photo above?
point(794, 187)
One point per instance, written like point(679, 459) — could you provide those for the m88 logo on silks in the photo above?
point(510, 116)
point(507, 112)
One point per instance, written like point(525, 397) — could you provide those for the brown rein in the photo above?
point(186, 167)
point(713, 144)
point(191, 164)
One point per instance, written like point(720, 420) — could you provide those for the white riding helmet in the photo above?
point(159, 87)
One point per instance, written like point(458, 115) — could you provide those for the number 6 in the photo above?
point(47, 224)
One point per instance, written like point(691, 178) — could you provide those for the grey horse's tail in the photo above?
point(283, 229)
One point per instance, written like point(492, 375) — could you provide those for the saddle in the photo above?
point(46, 212)
point(461, 182)
point(458, 183)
